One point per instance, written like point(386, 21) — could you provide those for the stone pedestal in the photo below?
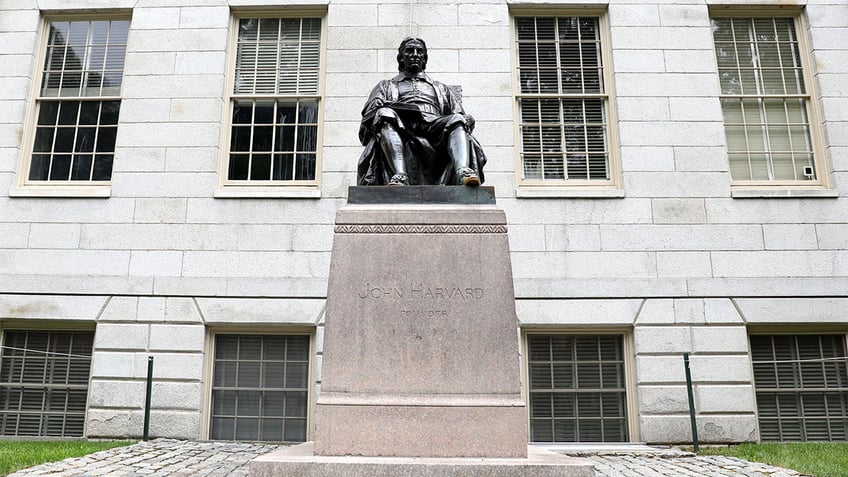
point(420, 371)
point(420, 343)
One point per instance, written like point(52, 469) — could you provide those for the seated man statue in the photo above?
point(415, 131)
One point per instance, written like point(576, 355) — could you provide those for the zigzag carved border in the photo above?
point(420, 229)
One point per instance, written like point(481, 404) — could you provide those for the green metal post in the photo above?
point(146, 435)
point(691, 402)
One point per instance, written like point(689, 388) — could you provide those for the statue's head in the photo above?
point(412, 54)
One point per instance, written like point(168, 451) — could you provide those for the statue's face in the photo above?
point(413, 57)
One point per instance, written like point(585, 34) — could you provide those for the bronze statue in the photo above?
point(415, 131)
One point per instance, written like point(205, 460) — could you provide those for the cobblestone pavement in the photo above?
point(173, 458)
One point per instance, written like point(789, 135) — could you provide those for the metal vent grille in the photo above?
point(260, 388)
point(44, 383)
point(802, 387)
point(577, 388)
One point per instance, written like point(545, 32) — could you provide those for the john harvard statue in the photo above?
point(415, 131)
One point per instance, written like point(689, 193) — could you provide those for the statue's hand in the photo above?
point(385, 115)
point(470, 122)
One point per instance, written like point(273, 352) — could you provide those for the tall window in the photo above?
point(765, 100)
point(44, 383)
point(275, 96)
point(78, 102)
point(802, 387)
point(577, 388)
point(562, 100)
point(260, 388)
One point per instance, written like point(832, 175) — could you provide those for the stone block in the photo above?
point(643, 109)
point(684, 15)
point(681, 237)
point(662, 400)
point(111, 364)
point(191, 159)
point(725, 399)
point(201, 63)
point(155, 18)
point(175, 424)
point(793, 310)
point(689, 311)
point(791, 211)
point(679, 211)
point(647, 158)
point(780, 264)
point(720, 369)
point(165, 86)
point(832, 236)
point(719, 339)
point(711, 429)
point(584, 264)
point(113, 423)
point(149, 63)
point(721, 310)
point(695, 109)
point(312, 238)
point(656, 312)
point(56, 307)
point(18, 235)
point(659, 133)
point(664, 37)
point(173, 337)
point(790, 237)
point(599, 287)
point(181, 310)
point(258, 310)
point(208, 210)
point(151, 308)
point(301, 460)
point(204, 17)
point(19, 20)
point(684, 264)
point(252, 264)
point(483, 14)
point(170, 366)
point(116, 394)
point(45, 235)
point(662, 339)
point(162, 237)
point(364, 15)
point(349, 61)
point(265, 237)
point(139, 159)
point(572, 238)
point(660, 369)
point(577, 312)
point(119, 308)
point(527, 238)
point(171, 184)
point(155, 263)
point(160, 210)
point(642, 15)
point(677, 184)
point(198, 39)
point(18, 43)
point(176, 396)
point(121, 337)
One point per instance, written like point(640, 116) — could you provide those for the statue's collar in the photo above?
point(421, 75)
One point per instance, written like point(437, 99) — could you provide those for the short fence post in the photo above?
point(146, 435)
point(691, 402)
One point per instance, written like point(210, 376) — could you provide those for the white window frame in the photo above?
point(23, 187)
point(820, 186)
point(530, 188)
point(227, 188)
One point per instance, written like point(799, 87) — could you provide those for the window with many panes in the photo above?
point(44, 382)
point(260, 387)
point(274, 102)
point(766, 101)
point(801, 384)
point(563, 101)
point(577, 388)
point(78, 102)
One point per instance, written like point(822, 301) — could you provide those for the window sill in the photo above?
point(91, 191)
point(264, 192)
point(541, 192)
point(777, 193)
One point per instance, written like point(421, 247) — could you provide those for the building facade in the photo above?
point(674, 175)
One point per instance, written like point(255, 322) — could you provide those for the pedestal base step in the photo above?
point(299, 461)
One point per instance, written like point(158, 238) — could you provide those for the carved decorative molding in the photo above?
point(420, 229)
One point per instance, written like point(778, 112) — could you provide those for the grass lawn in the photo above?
point(821, 459)
point(15, 455)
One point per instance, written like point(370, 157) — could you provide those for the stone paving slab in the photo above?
point(174, 458)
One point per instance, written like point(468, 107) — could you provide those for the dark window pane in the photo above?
point(68, 111)
point(262, 136)
point(89, 111)
point(47, 112)
point(39, 167)
point(61, 167)
point(283, 166)
point(239, 164)
point(85, 139)
point(261, 167)
point(243, 112)
point(81, 169)
point(305, 167)
point(109, 112)
point(102, 167)
point(43, 140)
point(240, 140)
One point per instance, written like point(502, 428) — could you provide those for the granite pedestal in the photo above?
point(420, 360)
